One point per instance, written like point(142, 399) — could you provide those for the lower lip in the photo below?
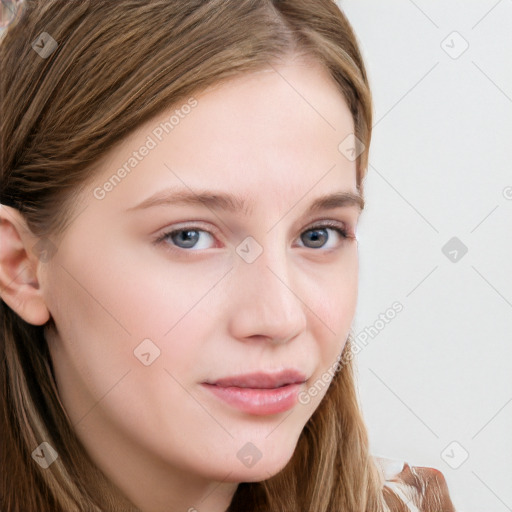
point(258, 401)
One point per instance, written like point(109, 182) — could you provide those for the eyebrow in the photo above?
point(237, 204)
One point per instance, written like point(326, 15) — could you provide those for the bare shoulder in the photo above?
point(422, 489)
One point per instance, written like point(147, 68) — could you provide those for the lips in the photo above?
point(259, 393)
point(261, 380)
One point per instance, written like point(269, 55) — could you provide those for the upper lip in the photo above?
point(262, 380)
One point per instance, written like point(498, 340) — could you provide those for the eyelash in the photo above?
point(343, 232)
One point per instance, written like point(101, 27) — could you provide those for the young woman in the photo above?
point(180, 186)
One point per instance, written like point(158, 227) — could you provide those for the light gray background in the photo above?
point(440, 165)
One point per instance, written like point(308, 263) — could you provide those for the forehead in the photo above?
point(274, 132)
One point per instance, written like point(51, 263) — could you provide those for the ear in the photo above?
point(19, 261)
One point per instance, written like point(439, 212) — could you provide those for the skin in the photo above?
point(166, 442)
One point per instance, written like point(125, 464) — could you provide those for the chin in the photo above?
point(263, 469)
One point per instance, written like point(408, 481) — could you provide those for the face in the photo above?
point(187, 324)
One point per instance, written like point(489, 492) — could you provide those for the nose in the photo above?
point(266, 302)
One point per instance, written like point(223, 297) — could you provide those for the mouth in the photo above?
point(262, 380)
point(259, 393)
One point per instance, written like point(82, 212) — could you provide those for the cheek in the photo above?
point(102, 318)
point(143, 294)
point(91, 349)
point(334, 296)
point(334, 304)
point(108, 310)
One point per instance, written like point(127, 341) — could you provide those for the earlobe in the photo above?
point(19, 286)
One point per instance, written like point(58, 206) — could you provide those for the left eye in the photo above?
point(319, 236)
point(187, 238)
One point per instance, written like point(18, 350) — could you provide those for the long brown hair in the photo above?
point(116, 65)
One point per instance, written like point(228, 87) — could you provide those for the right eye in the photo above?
point(185, 238)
